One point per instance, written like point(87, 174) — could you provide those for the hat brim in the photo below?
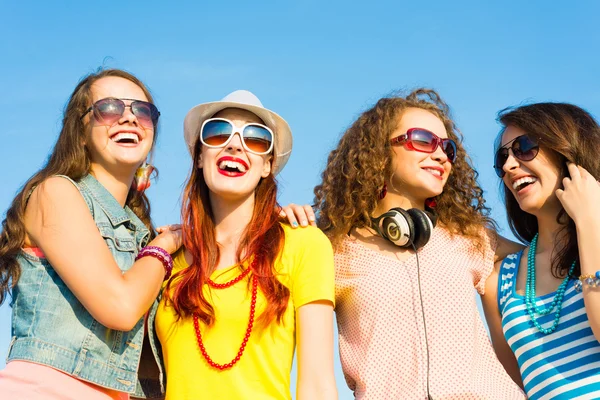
point(281, 130)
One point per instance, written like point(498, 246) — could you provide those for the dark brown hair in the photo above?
point(263, 239)
point(357, 169)
point(69, 157)
point(568, 133)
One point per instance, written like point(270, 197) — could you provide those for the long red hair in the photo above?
point(263, 240)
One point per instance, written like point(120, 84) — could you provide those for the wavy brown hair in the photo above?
point(262, 242)
point(362, 162)
point(568, 133)
point(69, 157)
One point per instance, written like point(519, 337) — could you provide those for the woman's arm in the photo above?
point(580, 198)
point(59, 222)
point(505, 247)
point(494, 322)
point(314, 327)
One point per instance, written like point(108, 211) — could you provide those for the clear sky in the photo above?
point(316, 63)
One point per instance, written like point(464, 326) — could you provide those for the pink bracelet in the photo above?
point(160, 254)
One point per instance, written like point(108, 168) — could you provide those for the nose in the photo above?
point(439, 154)
point(511, 162)
point(235, 144)
point(128, 116)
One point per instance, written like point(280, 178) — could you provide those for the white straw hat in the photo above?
point(246, 101)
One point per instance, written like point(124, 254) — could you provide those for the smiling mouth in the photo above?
point(125, 138)
point(435, 172)
point(232, 166)
point(522, 183)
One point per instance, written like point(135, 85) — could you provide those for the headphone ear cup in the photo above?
point(432, 217)
point(398, 227)
point(423, 227)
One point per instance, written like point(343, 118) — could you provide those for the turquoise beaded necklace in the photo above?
point(530, 303)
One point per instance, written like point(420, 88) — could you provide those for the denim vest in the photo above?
point(156, 383)
point(51, 327)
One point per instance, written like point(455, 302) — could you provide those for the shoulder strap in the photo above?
point(507, 278)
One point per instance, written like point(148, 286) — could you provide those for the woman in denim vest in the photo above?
point(72, 250)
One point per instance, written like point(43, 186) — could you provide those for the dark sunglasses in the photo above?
point(422, 140)
point(523, 147)
point(218, 132)
point(110, 110)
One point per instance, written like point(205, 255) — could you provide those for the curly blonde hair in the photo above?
point(362, 162)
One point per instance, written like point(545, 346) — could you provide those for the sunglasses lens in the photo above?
point(500, 160)
point(258, 138)
point(427, 142)
point(145, 112)
point(525, 148)
point(449, 147)
point(423, 140)
point(216, 133)
point(108, 111)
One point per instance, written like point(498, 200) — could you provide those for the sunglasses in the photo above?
point(218, 132)
point(422, 140)
point(110, 110)
point(523, 148)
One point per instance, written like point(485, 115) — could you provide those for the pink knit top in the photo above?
point(381, 331)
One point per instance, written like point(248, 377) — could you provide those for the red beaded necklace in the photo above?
point(250, 319)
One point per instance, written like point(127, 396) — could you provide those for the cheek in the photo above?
point(97, 138)
point(208, 157)
point(150, 136)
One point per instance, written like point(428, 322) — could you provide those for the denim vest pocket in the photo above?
point(121, 244)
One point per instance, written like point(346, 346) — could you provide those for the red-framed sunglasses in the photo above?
point(422, 140)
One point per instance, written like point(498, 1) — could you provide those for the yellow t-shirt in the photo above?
point(263, 372)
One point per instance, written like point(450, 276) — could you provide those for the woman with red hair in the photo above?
point(246, 288)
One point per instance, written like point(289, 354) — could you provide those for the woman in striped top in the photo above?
point(544, 302)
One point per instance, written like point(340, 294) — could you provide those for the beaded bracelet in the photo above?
point(592, 280)
point(160, 254)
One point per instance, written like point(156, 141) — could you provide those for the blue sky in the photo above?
point(318, 64)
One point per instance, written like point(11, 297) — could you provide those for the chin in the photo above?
point(529, 206)
point(432, 192)
point(131, 160)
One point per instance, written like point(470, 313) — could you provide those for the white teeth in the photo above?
point(125, 136)
point(232, 164)
point(522, 181)
point(432, 171)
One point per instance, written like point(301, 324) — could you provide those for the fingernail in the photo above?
point(295, 224)
point(303, 222)
point(311, 219)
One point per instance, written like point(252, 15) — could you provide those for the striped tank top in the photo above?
point(564, 364)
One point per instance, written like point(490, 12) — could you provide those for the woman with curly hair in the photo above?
point(543, 301)
point(400, 202)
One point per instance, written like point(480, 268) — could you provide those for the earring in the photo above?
point(141, 180)
point(383, 191)
point(430, 203)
